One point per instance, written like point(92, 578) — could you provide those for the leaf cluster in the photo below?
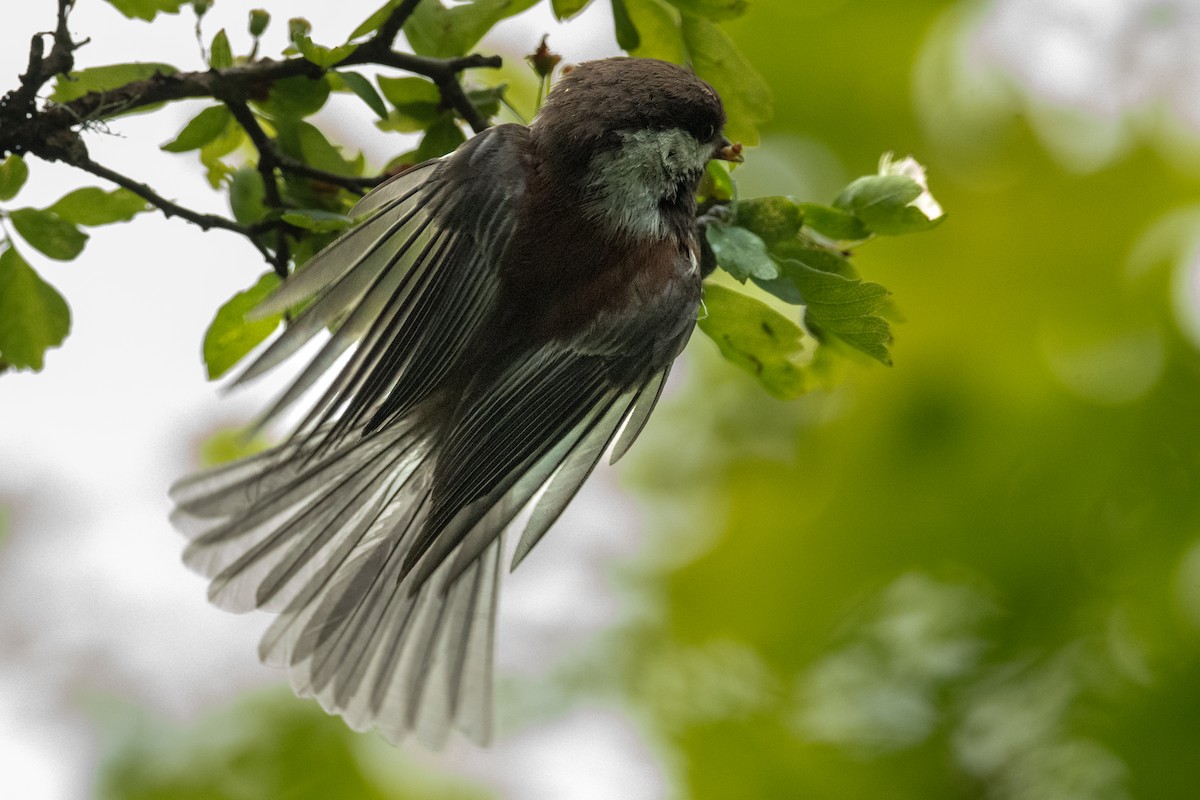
point(684, 31)
point(290, 188)
point(34, 317)
point(801, 254)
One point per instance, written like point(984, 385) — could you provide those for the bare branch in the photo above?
point(26, 133)
point(353, 184)
point(444, 73)
point(391, 27)
point(273, 158)
point(171, 209)
point(53, 132)
point(42, 67)
point(266, 168)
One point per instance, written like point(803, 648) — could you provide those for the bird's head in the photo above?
point(632, 137)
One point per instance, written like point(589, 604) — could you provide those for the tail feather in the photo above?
point(247, 528)
point(571, 471)
point(323, 540)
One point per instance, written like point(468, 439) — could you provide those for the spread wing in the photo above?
point(410, 286)
point(539, 427)
point(399, 636)
point(311, 528)
point(376, 534)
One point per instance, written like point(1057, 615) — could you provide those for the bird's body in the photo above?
point(513, 310)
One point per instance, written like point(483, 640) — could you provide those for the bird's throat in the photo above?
point(641, 188)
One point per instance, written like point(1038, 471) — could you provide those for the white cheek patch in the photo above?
point(627, 184)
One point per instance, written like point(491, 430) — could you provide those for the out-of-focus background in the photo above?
point(975, 574)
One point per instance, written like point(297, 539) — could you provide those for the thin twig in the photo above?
point(270, 154)
point(444, 73)
point(390, 28)
point(354, 184)
point(53, 132)
point(42, 67)
point(266, 148)
point(170, 209)
point(267, 164)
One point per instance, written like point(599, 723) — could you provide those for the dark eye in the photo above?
point(710, 131)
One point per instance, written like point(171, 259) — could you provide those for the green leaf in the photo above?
point(247, 195)
point(147, 9)
point(657, 25)
point(317, 220)
point(882, 203)
point(565, 9)
point(231, 336)
point(13, 173)
point(834, 223)
point(758, 339)
point(715, 10)
point(324, 57)
point(230, 444)
point(373, 22)
point(741, 253)
point(202, 129)
point(773, 219)
point(715, 184)
point(362, 87)
point(442, 137)
point(786, 287)
point(259, 20)
point(319, 152)
point(48, 233)
point(220, 54)
point(103, 79)
point(92, 206)
point(296, 97)
point(233, 137)
point(847, 308)
point(628, 38)
point(401, 123)
point(416, 100)
point(403, 93)
point(817, 257)
point(33, 316)
point(487, 100)
point(747, 98)
point(434, 30)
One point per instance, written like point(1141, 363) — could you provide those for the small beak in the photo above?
point(728, 151)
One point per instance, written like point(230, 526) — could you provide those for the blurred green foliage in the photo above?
point(975, 574)
point(265, 746)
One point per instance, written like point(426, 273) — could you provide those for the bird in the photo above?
point(505, 315)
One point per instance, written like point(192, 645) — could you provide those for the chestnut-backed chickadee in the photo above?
point(513, 309)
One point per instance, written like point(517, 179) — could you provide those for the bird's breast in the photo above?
point(561, 276)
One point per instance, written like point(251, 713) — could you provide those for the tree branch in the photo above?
point(53, 132)
point(170, 209)
point(267, 163)
point(270, 155)
point(33, 132)
point(444, 73)
point(42, 67)
point(391, 27)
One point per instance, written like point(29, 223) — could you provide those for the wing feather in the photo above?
point(376, 530)
point(644, 403)
point(422, 271)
